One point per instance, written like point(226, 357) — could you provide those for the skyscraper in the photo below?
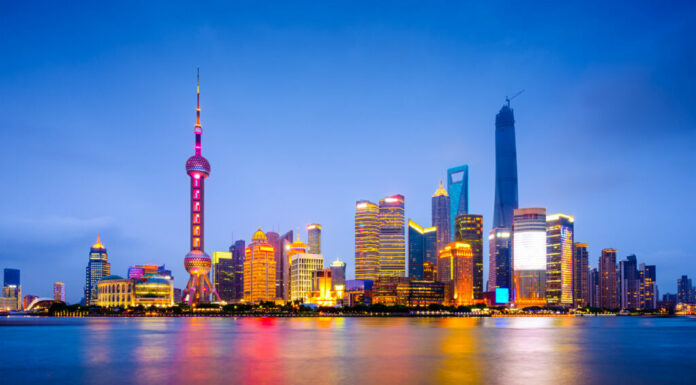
point(500, 259)
point(98, 267)
point(12, 288)
point(469, 229)
point(441, 216)
point(273, 239)
point(314, 238)
point(629, 283)
point(684, 290)
point(259, 270)
point(366, 240)
point(237, 249)
point(422, 247)
point(293, 248)
point(648, 276)
point(529, 256)
point(197, 262)
point(581, 289)
point(505, 168)
point(392, 234)
point(301, 267)
point(283, 264)
point(593, 285)
point(223, 272)
point(338, 273)
point(607, 279)
point(559, 259)
point(458, 189)
point(455, 269)
point(59, 291)
point(11, 277)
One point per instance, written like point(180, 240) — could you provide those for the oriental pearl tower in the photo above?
point(197, 262)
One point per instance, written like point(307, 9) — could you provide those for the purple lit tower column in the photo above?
point(197, 262)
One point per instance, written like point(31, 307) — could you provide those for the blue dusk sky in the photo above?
point(309, 107)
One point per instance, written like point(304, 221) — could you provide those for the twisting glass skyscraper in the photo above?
point(505, 168)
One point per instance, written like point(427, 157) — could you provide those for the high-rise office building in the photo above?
point(456, 270)
point(223, 274)
point(238, 249)
point(12, 289)
point(314, 238)
point(469, 229)
point(273, 239)
point(59, 291)
point(529, 256)
point(581, 289)
point(259, 270)
point(458, 190)
point(98, 267)
point(559, 259)
point(648, 276)
point(684, 290)
point(607, 279)
point(422, 247)
point(338, 273)
point(392, 237)
point(301, 267)
point(197, 262)
point(505, 168)
point(593, 286)
point(441, 216)
point(286, 240)
point(629, 283)
point(500, 259)
point(11, 277)
point(366, 240)
point(429, 271)
point(297, 247)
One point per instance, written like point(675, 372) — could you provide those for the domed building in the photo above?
point(148, 290)
point(259, 270)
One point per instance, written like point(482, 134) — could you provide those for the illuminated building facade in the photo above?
point(28, 299)
point(441, 216)
point(259, 270)
point(429, 271)
point(629, 283)
point(529, 257)
point(366, 240)
point(197, 262)
point(500, 259)
point(420, 293)
point(238, 249)
point(458, 190)
point(59, 291)
point(324, 291)
point(98, 267)
point(607, 279)
point(302, 266)
point(505, 168)
point(385, 290)
point(684, 290)
point(115, 291)
point(422, 247)
point(648, 276)
point(11, 289)
point(392, 242)
point(581, 280)
point(314, 238)
point(223, 274)
point(469, 229)
point(338, 273)
point(559, 259)
point(297, 247)
point(148, 290)
point(593, 286)
point(283, 265)
point(455, 269)
point(137, 271)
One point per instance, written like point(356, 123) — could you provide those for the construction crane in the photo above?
point(507, 100)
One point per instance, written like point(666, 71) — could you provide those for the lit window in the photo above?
point(196, 206)
point(196, 230)
point(196, 194)
point(196, 182)
point(196, 242)
point(196, 218)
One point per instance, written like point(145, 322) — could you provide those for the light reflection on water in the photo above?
point(328, 350)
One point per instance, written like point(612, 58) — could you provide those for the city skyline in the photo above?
point(607, 195)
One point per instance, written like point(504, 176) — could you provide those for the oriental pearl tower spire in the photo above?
point(197, 262)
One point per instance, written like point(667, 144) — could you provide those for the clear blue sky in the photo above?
point(308, 107)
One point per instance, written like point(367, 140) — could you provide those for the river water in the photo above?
point(384, 351)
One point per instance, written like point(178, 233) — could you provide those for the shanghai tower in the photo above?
point(505, 168)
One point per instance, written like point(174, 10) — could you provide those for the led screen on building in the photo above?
point(529, 250)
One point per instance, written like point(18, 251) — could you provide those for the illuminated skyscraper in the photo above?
point(607, 279)
point(223, 273)
point(629, 283)
point(283, 265)
point(314, 238)
point(338, 273)
point(593, 286)
point(505, 168)
point(648, 286)
point(97, 268)
point(259, 270)
point(441, 216)
point(12, 288)
point(366, 240)
point(429, 271)
point(469, 229)
point(392, 242)
point(529, 256)
point(197, 262)
point(273, 239)
point(238, 250)
point(59, 291)
point(297, 247)
point(455, 269)
point(684, 290)
point(581, 288)
point(559, 259)
point(422, 247)
point(301, 267)
point(499, 259)
point(458, 189)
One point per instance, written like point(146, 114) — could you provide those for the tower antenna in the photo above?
point(508, 99)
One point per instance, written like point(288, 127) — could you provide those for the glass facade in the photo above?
point(455, 269)
point(469, 229)
point(98, 267)
point(223, 273)
point(458, 190)
point(422, 247)
point(441, 216)
point(314, 238)
point(366, 240)
point(581, 288)
point(505, 168)
point(559, 259)
point(259, 270)
point(338, 273)
point(392, 234)
point(500, 259)
point(529, 257)
point(302, 266)
point(607, 279)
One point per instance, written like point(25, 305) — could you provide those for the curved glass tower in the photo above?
point(505, 168)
